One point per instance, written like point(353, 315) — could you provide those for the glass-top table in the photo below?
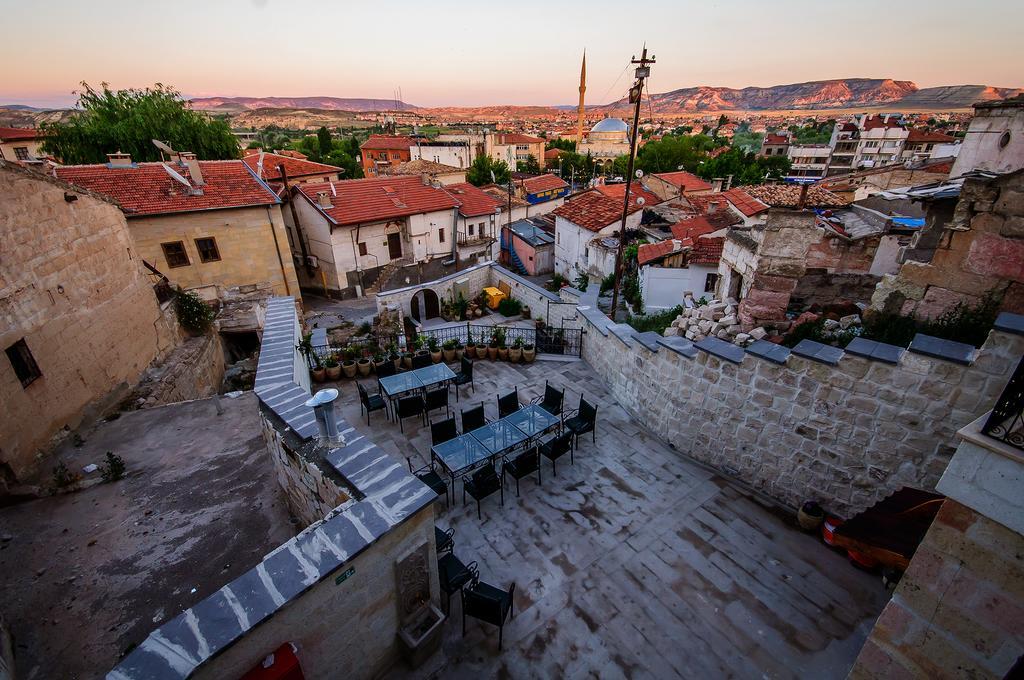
point(499, 436)
point(410, 381)
point(463, 452)
point(433, 374)
point(532, 420)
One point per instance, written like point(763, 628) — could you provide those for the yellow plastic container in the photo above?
point(494, 297)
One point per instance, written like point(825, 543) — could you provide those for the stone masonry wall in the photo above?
point(71, 286)
point(958, 611)
point(845, 435)
point(194, 370)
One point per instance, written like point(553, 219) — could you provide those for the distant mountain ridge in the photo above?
point(326, 103)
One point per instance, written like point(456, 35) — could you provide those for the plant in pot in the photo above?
point(363, 363)
point(470, 351)
point(515, 353)
point(348, 367)
point(502, 347)
point(305, 348)
point(435, 349)
point(449, 350)
point(421, 344)
point(539, 322)
point(379, 360)
point(529, 353)
point(333, 368)
point(394, 356)
point(481, 347)
point(492, 346)
point(459, 350)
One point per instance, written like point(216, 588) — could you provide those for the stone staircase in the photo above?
point(385, 275)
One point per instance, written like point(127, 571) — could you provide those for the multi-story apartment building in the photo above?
point(865, 142)
point(380, 152)
point(809, 161)
point(514, 147)
point(922, 146)
point(774, 144)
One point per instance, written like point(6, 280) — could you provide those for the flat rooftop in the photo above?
point(635, 561)
point(86, 575)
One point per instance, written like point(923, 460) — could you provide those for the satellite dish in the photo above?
point(333, 190)
point(259, 165)
point(163, 147)
point(639, 174)
point(174, 175)
point(640, 200)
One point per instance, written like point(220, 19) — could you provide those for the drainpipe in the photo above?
point(354, 235)
point(295, 219)
point(277, 247)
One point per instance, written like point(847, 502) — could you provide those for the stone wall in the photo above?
point(845, 435)
point(71, 286)
point(978, 249)
point(823, 288)
point(194, 370)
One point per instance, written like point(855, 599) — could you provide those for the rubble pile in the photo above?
point(715, 319)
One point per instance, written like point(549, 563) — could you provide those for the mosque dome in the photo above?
point(610, 125)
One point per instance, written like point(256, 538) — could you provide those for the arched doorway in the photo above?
point(425, 305)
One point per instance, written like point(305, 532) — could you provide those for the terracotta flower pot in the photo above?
point(503, 353)
point(436, 356)
point(363, 366)
point(396, 360)
point(515, 354)
point(319, 374)
point(349, 368)
point(334, 372)
point(529, 354)
point(407, 360)
point(449, 356)
point(492, 353)
point(481, 351)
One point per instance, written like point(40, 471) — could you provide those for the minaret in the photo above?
point(583, 88)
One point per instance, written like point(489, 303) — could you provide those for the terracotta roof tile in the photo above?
point(774, 138)
point(147, 189)
point(617, 191)
point(685, 180)
point(516, 138)
point(592, 210)
point(419, 166)
point(12, 134)
point(788, 196)
point(707, 251)
point(692, 228)
point(376, 199)
point(382, 142)
point(649, 252)
point(917, 136)
point(553, 154)
point(543, 183)
point(745, 202)
point(473, 200)
point(502, 195)
point(265, 166)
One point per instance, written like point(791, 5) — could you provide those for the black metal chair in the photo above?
point(437, 398)
point(442, 431)
point(521, 466)
point(370, 402)
point(473, 418)
point(487, 603)
point(508, 403)
point(407, 407)
point(453, 575)
point(464, 377)
point(556, 447)
point(444, 541)
point(552, 401)
point(421, 361)
point(482, 484)
point(584, 420)
point(429, 476)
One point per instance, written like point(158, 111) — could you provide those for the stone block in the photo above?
point(957, 352)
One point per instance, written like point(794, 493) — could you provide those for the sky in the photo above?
point(472, 53)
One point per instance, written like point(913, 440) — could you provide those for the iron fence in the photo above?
point(1006, 422)
point(547, 340)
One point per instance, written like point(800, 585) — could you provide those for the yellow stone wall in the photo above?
point(245, 240)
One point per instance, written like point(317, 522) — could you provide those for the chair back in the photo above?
point(437, 398)
point(421, 361)
point(467, 367)
point(526, 462)
point(386, 369)
point(410, 406)
point(508, 403)
point(485, 476)
point(473, 418)
point(553, 399)
point(561, 443)
point(363, 396)
point(588, 411)
point(443, 431)
point(487, 603)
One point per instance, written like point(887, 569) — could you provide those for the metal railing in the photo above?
point(547, 340)
point(1006, 422)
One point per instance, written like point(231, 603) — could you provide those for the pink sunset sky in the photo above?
point(449, 53)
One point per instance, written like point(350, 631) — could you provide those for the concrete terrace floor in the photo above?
point(89, 573)
point(635, 562)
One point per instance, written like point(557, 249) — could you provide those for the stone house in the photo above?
point(346, 235)
point(381, 152)
point(513, 147)
point(206, 225)
point(80, 319)
point(477, 225)
point(775, 144)
point(586, 230)
point(19, 144)
point(673, 185)
point(685, 263)
point(268, 167)
point(995, 138)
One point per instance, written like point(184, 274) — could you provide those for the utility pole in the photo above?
point(643, 71)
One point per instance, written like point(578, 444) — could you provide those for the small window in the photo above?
point(23, 362)
point(174, 253)
point(440, 235)
point(207, 248)
point(21, 153)
point(711, 282)
point(471, 227)
point(362, 249)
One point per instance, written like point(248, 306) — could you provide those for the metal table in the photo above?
point(394, 386)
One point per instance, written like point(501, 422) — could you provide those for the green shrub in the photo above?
point(510, 307)
point(582, 281)
point(193, 314)
point(607, 283)
point(654, 322)
point(961, 323)
point(113, 468)
point(556, 282)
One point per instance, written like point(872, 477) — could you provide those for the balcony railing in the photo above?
point(473, 239)
point(1006, 422)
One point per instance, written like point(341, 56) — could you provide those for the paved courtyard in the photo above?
point(636, 562)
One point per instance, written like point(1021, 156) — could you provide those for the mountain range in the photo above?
point(229, 104)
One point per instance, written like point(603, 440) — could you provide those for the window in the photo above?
point(471, 227)
point(362, 249)
point(174, 253)
point(23, 362)
point(396, 157)
point(440, 235)
point(21, 153)
point(207, 248)
point(711, 282)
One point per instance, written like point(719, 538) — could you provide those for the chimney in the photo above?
point(119, 160)
point(712, 207)
point(716, 184)
point(728, 183)
point(192, 163)
point(323, 199)
point(802, 201)
point(425, 178)
point(322, 404)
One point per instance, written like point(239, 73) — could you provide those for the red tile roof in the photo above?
point(295, 167)
point(774, 138)
point(925, 136)
point(743, 201)
point(878, 121)
point(649, 252)
point(376, 199)
point(593, 211)
point(516, 138)
point(788, 196)
point(692, 228)
point(147, 189)
point(382, 142)
point(617, 191)
point(474, 200)
point(687, 181)
point(553, 154)
point(501, 193)
point(543, 183)
point(707, 251)
point(715, 153)
point(12, 134)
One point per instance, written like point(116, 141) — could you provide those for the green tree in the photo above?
point(722, 120)
point(479, 173)
point(745, 167)
point(672, 152)
point(345, 161)
point(563, 144)
point(530, 165)
point(748, 141)
point(128, 120)
point(577, 166)
point(323, 138)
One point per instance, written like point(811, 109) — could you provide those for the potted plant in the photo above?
point(348, 367)
point(459, 350)
point(529, 353)
point(515, 353)
point(378, 360)
point(333, 368)
point(449, 350)
point(363, 366)
point(492, 346)
point(481, 347)
point(470, 351)
point(421, 345)
point(305, 348)
point(435, 349)
point(540, 323)
point(499, 334)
